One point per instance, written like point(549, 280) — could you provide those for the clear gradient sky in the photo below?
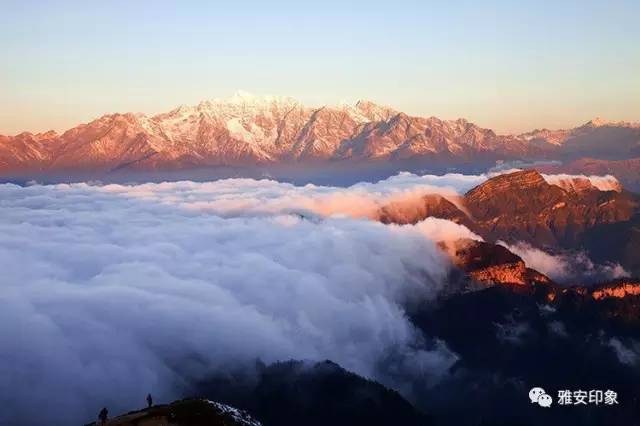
point(508, 65)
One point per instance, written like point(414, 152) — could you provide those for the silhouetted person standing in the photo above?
point(104, 415)
point(149, 400)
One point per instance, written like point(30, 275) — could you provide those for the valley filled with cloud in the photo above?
point(113, 291)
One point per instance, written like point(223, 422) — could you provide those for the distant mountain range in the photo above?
point(247, 130)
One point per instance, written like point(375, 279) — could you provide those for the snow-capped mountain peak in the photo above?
point(248, 129)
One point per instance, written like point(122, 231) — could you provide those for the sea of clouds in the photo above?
point(109, 292)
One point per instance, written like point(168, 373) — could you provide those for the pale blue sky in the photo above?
point(508, 65)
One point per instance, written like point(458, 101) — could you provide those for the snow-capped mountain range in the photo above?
point(247, 129)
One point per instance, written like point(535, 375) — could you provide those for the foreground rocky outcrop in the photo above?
point(290, 393)
point(296, 393)
point(187, 412)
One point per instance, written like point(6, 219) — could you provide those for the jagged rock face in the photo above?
point(522, 206)
point(618, 300)
point(323, 133)
point(431, 205)
point(618, 290)
point(26, 148)
point(492, 264)
point(253, 130)
point(403, 137)
point(105, 143)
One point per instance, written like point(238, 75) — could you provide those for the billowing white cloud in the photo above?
point(572, 182)
point(444, 230)
point(563, 180)
point(112, 292)
point(248, 197)
point(575, 268)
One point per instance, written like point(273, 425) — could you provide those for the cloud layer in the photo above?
point(569, 182)
point(569, 268)
point(249, 197)
point(110, 292)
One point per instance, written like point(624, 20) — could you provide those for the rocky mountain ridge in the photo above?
point(524, 206)
point(187, 412)
point(486, 265)
point(248, 130)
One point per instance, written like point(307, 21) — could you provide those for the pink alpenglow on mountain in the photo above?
point(248, 130)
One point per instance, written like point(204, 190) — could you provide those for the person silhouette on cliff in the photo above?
point(103, 416)
point(149, 400)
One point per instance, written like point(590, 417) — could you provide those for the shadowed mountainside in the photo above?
point(315, 394)
point(188, 412)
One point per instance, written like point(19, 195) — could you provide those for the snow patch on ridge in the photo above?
point(239, 416)
point(577, 182)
